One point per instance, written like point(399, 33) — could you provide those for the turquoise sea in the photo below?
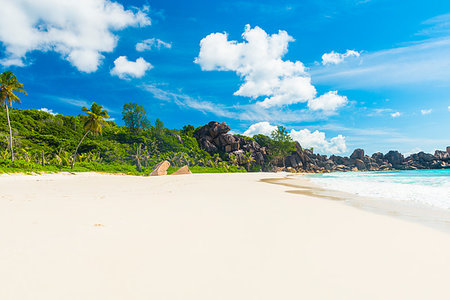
point(430, 187)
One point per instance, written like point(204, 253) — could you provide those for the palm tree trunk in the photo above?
point(76, 150)
point(10, 131)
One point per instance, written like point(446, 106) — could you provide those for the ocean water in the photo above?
point(429, 187)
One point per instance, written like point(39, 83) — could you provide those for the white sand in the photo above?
point(205, 237)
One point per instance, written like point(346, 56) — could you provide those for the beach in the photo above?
point(206, 236)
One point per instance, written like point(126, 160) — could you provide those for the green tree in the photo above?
point(93, 123)
point(188, 130)
point(159, 124)
point(9, 85)
point(282, 144)
point(135, 117)
point(263, 140)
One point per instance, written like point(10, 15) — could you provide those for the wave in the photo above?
point(431, 187)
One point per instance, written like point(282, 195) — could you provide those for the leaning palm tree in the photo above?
point(9, 85)
point(93, 123)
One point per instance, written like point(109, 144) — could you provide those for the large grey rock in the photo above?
point(357, 154)
point(395, 158)
point(360, 164)
point(378, 156)
point(213, 138)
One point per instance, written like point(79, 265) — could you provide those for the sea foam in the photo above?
point(431, 187)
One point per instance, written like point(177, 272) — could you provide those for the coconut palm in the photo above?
point(138, 156)
point(249, 159)
point(233, 160)
point(93, 123)
point(9, 85)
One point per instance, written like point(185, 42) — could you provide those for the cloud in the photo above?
point(260, 128)
point(318, 141)
point(337, 58)
point(426, 111)
point(50, 111)
point(422, 62)
point(152, 43)
point(379, 112)
point(79, 30)
point(396, 114)
point(437, 25)
point(305, 137)
point(258, 61)
point(330, 102)
point(75, 102)
point(187, 101)
point(248, 112)
point(125, 69)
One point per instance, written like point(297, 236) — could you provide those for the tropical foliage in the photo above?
point(48, 142)
point(8, 86)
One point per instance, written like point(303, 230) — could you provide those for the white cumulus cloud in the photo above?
point(328, 102)
point(258, 61)
point(152, 43)
point(336, 58)
point(317, 140)
point(50, 111)
point(125, 69)
point(396, 114)
point(426, 111)
point(260, 128)
point(79, 30)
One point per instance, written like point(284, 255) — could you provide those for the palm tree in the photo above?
point(93, 123)
point(138, 156)
point(233, 160)
point(9, 85)
point(250, 160)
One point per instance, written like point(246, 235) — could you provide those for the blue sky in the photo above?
point(383, 84)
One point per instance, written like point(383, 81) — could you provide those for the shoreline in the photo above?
point(436, 218)
point(205, 236)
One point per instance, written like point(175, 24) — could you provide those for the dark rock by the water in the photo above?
point(214, 138)
point(357, 154)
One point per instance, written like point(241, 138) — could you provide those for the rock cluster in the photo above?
point(304, 160)
point(214, 138)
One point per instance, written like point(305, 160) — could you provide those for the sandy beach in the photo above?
point(208, 236)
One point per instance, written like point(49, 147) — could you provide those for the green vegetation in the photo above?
point(282, 143)
point(9, 85)
point(93, 124)
point(135, 117)
point(44, 142)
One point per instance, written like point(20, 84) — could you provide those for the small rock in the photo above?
point(182, 171)
point(160, 168)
